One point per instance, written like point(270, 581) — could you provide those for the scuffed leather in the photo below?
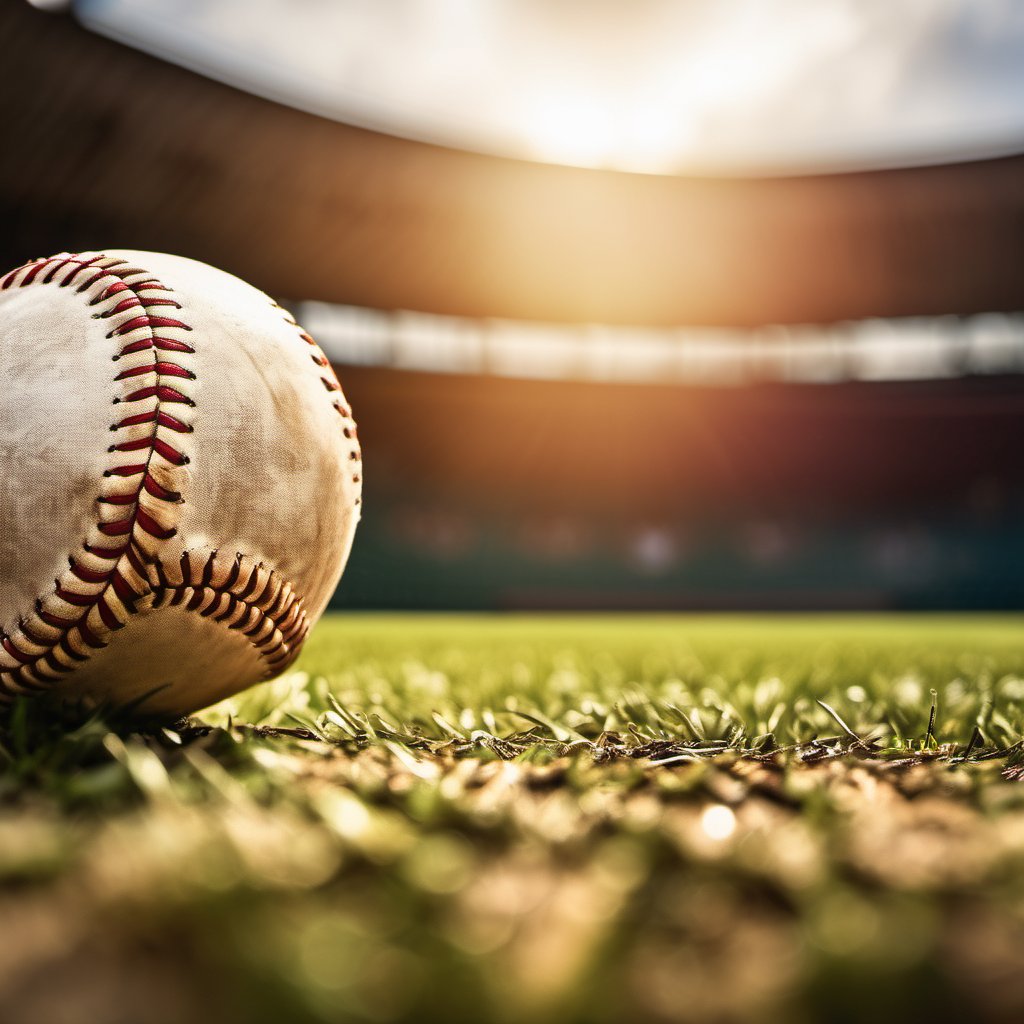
point(272, 484)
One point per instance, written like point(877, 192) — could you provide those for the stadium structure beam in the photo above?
point(105, 146)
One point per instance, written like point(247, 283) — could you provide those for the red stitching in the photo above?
point(85, 575)
point(170, 345)
point(57, 621)
point(79, 265)
point(49, 275)
point(118, 284)
point(14, 652)
point(160, 369)
point(74, 598)
point(85, 285)
point(110, 620)
point(173, 423)
point(121, 528)
point(89, 637)
point(164, 394)
point(33, 636)
point(152, 527)
point(158, 491)
point(134, 302)
point(277, 631)
point(258, 603)
point(104, 552)
point(68, 652)
point(161, 417)
point(169, 452)
point(31, 275)
point(133, 470)
point(131, 446)
point(333, 388)
point(134, 559)
point(123, 589)
point(146, 321)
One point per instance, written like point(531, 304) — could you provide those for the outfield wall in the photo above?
point(489, 492)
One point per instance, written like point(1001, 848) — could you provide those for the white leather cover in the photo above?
point(180, 482)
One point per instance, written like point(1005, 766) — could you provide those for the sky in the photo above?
point(735, 87)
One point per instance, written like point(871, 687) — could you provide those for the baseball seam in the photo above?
point(333, 388)
point(117, 571)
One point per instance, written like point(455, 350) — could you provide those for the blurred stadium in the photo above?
point(579, 387)
point(640, 305)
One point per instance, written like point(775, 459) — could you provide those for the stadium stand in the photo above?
point(584, 388)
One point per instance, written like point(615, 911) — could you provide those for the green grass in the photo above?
point(712, 677)
point(571, 819)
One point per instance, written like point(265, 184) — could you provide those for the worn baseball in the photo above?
point(179, 482)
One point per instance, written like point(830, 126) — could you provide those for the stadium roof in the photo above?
point(105, 146)
point(707, 86)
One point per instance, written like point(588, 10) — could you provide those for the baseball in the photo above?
point(180, 482)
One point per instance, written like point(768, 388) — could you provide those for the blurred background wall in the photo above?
point(612, 390)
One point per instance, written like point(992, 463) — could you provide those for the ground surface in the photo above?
point(509, 819)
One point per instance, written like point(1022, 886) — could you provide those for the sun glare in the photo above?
point(718, 822)
point(570, 130)
point(654, 86)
